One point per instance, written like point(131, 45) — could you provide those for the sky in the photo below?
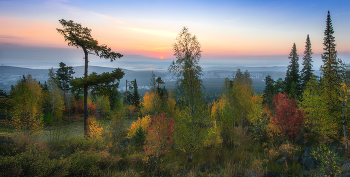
point(248, 33)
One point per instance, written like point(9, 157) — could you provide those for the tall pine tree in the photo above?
point(331, 68)
point(269, 92)
point(333, 72)
point(292, 79)
point(64, 75)
point(307, 72)
point(136, 96)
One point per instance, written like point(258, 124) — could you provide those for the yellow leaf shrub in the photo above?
point(94, 130)
point(213, 138)
point(143, 123)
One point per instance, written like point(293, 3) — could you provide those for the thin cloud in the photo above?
point(10, 37)
point(153, 32)
point(78, 10)
point(109, 18)
point(130, 26)
point(233, 20)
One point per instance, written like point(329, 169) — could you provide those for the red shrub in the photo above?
point(287, 117)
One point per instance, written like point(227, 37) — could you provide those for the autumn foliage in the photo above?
point(94, 130)
point(160, 136)
point(141, 122)
point(286, 116)
point(27, 113)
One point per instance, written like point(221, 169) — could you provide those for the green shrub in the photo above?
point(48, 119)
point(14, 144)
point(139, 137)
point(85, 163)
point(330, 162)
point(33, 162)
point(73, 145)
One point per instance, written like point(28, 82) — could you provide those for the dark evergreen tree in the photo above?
point(64, 74)
point(331, 69)
point(269, 92)
point(239, 76)
point(247, 79)
point(136, 96)
point(159, 81)
point(292, 80)
point(44, 86)
point(333, 73)
point(279, 86)
point(306, 72)
point(100, 84)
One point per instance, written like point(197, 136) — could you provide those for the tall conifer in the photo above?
point(331, 69)
point(136, 96)
point(292, 79)
point(307, 72)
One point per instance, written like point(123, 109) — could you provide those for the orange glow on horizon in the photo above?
point(161, 57)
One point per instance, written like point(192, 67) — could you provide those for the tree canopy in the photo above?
point(80, 37)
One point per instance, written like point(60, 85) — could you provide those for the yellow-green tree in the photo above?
point(102, 105)
point(189, 124)
point(56, 97)
point(318, 118)
point(26, 111)
point(237, 95)
point(171, 104)
point(258, 117)
point(150, 102)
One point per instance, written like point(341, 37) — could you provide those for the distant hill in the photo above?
point(212, 79)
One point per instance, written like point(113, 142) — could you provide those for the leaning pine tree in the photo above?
point(307, 72)
point(188, 130)
point(80, 37)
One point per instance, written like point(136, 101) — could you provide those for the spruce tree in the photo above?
point(269, 92)
point(292, 79)
point(136, 96)
point(64, 75)
point(307, 72)
point(331, 69)
point(333, 73)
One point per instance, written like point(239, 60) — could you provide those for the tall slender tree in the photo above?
point(136, 96)
point(307, 72)
point(333, 74)
point(80, 37)
point(331, 68)
point(153, 83)
point(64, 74)
point(292, 79)
point(269, 92)
point(186, 68)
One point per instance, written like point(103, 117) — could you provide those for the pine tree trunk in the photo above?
point(64, 93)
point(85, 93)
